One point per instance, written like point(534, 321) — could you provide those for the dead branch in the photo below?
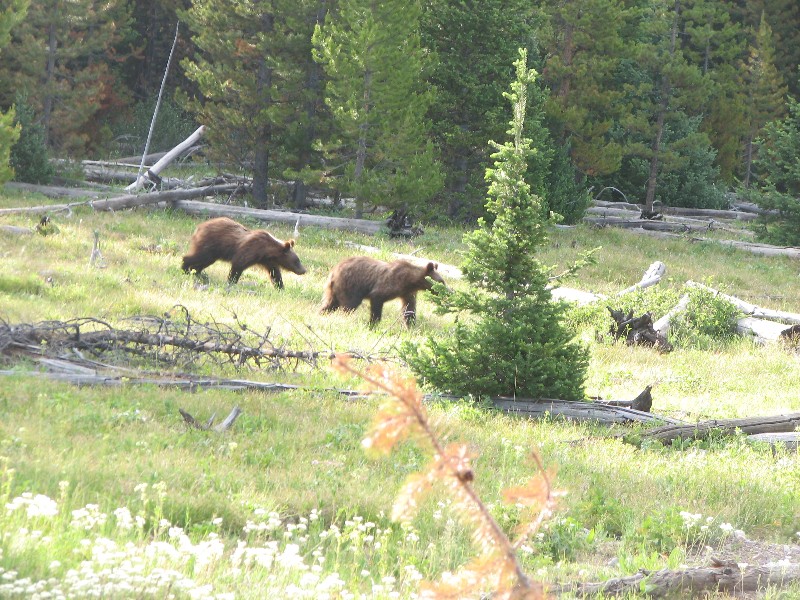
point(650, 278)
point(158, 338)
point(224, 426)
point(152, 172)
point(721, 576)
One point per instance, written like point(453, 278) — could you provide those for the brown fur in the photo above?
point(360, 277)
point(225, 239)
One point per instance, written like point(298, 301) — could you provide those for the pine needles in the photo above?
point(496, 569)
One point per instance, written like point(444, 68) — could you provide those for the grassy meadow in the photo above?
point(105, 492)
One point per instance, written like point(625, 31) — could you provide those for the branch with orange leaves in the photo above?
point(496, 568)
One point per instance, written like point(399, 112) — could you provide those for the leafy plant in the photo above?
point(508, 338)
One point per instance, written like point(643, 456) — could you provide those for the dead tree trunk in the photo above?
point(752, 425)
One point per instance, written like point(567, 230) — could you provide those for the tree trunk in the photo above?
point(261, 197)
point(774, 424)
point(48, 86)
point(361, 152)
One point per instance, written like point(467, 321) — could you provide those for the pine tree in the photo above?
point(29, 156)
point(62, 58)
point(474, 49)
point(766, 91)
point(508, 338)
point(10, 16)
point(248, 69)
point(374, 64)
point(584, 47)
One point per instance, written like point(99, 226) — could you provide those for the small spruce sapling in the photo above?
point(496, 570)
point(508, 339)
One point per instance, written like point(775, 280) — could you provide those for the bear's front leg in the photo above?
point(277, 278)
point(409, 307)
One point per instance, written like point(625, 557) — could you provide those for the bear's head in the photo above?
point(432, 275)
point(289, 260)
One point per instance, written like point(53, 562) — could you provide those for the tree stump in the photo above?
point(637, 331)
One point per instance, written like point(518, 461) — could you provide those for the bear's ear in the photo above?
point(288, 245)
point(431, 267)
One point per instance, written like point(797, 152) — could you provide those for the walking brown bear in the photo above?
point(360, 277)
point(225, 239)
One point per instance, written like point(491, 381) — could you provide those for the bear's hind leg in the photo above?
point(376, 311)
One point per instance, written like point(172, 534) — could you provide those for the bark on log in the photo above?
point(128, 201)
point(210, 209)
point(152, 172)
point(701, 430)
point(646, 224)
point(751, 310)
point(721, 576)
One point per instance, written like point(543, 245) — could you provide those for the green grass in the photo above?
point(299, 454)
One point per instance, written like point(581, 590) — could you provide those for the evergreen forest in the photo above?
point(677, 102)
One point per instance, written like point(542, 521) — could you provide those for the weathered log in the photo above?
point(751, 425)
point(722, 576)
point(789, 441)
point(650, 278)
point(152, 173)
point(15, 230)
point(751, 247)
point(750, 310)
point(52, 191)
point(210, 209)
point(661, 326)
point(599, 412)
point(740, 214)
point(128, 201)
point(764, 332)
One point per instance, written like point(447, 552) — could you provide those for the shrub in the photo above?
point(508, 338)
point(29, 156)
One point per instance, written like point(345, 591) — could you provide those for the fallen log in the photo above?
point(128, 201)
point(750, 310)
point(764, 332)
point(751, 425)
point(599, 412)
point(789, 441)
point(210, 209)
point(52, 191)
point(152, 173)
point(722, 576)
point(661, 326)
point(751, 247)
point(650, 278)
point(739, 214)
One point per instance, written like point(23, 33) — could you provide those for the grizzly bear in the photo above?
point(360, 277)
point(225, 239)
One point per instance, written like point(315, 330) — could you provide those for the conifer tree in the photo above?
point(10, 16)
point(471, 67)
point(374, 64)
point(766, 92)
point(62, 57)
point(248, 69)
point(508, 338)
